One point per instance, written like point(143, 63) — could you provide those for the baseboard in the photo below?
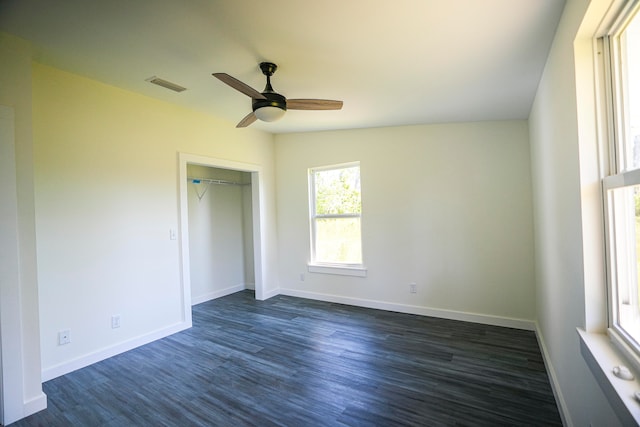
point(105, 353)
point(217, 294)
point(553, 379)
point(272, 293)
point(508, 322)
point(35, 404)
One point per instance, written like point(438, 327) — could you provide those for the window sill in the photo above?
point(601, 356)
point(338, 270)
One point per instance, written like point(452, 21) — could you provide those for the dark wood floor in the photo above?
point(296, 362)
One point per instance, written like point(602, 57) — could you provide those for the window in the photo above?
point(622, 185)
point(335, 214)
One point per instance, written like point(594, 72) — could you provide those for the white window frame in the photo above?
point(314, 266)
point(617, 176)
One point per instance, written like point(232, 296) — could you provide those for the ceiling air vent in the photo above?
point(165, 84)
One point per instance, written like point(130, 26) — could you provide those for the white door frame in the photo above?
point(11, 362)
point(257, 218)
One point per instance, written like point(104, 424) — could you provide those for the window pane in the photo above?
point(631, 66)
point(338, 240)
point(625, 218)
point(338, 191)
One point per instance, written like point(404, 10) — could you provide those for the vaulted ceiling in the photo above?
point(391, 62)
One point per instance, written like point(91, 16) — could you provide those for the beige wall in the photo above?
point(445, 206)
point(106, 187)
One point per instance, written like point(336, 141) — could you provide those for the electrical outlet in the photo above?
point(173, 234)
point(64, 337)
point(302, 277)
point(115, 321)
point(413, 288)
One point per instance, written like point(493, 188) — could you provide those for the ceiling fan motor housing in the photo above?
point(273, 100)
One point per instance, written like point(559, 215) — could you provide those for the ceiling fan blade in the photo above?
point(313, 104)
point(248, 119)
point(239, 86)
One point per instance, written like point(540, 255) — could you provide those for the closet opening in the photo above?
point(220, 232)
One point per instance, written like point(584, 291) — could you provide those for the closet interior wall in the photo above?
point(220, 232)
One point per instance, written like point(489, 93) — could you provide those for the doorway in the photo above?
point(238, 185)
point(220, 232)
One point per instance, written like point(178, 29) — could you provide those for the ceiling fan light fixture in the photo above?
point(269, 113)
point(271, 108)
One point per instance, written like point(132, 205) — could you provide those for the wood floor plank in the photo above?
point(295, 362)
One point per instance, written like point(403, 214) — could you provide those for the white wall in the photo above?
point(247, 233)
point(106, 187)
point(217, 243)
point(558, 198)
point(19, 327)
point(446, 206)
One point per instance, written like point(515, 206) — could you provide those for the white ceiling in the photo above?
point(392, 62)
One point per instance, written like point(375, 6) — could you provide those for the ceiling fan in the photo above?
point(269, 105)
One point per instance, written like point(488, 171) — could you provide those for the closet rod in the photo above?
point(213, 181)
